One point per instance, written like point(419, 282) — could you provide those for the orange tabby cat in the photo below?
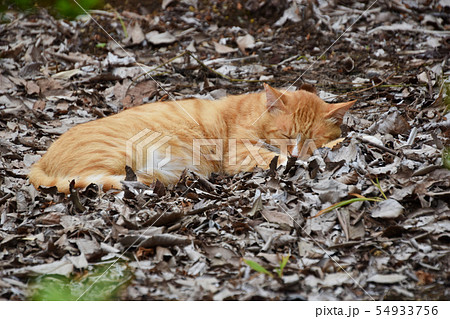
point(159, 140)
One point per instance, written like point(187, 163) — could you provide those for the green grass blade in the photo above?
point(345, 203)
point(377, 185)
point(283, 264)
point(446, 158)
point(257, 267)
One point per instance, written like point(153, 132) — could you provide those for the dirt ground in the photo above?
point(251, 236)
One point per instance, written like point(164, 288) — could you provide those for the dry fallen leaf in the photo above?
point(389, 208)
point(135, 32)
point(223, 49)
point(157, 38)
point(245, 42)
point(387, 279)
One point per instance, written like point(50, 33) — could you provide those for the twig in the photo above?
point(75, 198)
point(407, 28)
point(158, 66)
point(412, 136)
point(381, 147)
point(374, 86)
point(223, 60)
point(102, 12)
point(226, 77)
point(5, 198)
point(201, 209)
point(124, 28)
point(377, 185)
point(425, 170)
point(73, 59)
point(346, 244)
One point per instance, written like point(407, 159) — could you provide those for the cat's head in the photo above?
point(304, 116)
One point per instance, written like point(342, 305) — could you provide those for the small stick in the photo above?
point(75, 198)
point(412, 136)
point(201, 209)
point(381, 147)
point(67, 57)
point(5, 198)
point(226, 77)
point(374, 86)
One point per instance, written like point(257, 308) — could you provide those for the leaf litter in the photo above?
point(189, 241)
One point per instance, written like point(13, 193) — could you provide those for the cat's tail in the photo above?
point(39, 177)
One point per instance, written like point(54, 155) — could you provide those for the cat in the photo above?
point(160, 140)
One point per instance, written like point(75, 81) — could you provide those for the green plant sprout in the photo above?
point(377, 185)
point(60, 8)
point(122, 23)
point(283, 262)
point(446, 157)
point(302, 57)
point(259, 268)
point(446, 96)
point(358, 198)
point(101, 283)
point(443, 99)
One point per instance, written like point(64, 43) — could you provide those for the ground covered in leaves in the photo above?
point(195, 240)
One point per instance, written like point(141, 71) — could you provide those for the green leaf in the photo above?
point(101, 283)
point(446, 158)
point(283, 264)
point(257, 267)
point(284, 261)
point(59, 8)
point(378, 185)
point(347, 202)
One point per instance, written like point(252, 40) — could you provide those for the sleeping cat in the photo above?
point(159, 140)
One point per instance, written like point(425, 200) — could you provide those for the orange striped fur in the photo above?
point(96, 152)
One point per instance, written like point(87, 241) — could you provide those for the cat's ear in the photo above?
point(273, 98)
point(337, 111)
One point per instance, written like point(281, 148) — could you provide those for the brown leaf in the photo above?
point(49, 87)
point(39, 105)
point(223, 49)
point(159, 189)
point(49, 219)
point(32, 88)
point(165, 240)
point(245, 42)
point(135, 32)
point(281, 218)
point(130, 175)
point(90, 248)
point(162, 218)
point(424, 277)
point(136, 95)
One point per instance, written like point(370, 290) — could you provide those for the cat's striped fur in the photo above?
point(96, 152)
